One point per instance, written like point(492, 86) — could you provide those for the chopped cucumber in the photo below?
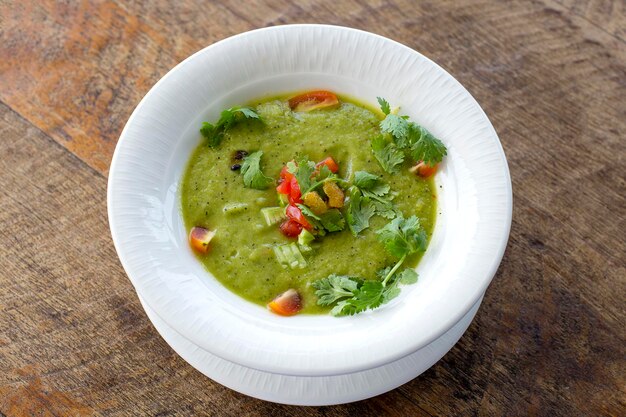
point(234, 208)
point(289, 256)
point(273, 215)
point(283, 200)
point(262, 252)
point(304, 240)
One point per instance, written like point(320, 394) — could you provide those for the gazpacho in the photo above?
point(313, 202)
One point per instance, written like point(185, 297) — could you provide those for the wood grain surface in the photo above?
point(549, 339)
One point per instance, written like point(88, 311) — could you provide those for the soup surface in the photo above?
point(241, 255)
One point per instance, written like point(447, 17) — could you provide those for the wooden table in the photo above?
point(550, 336)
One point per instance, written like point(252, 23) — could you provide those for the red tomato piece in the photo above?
point(286, 181)
point(330, 163)
point(199, 238)
point(287, 303)
point(290, 228)
point(294, 192)
point(295, 214)
point(284, 187)
point(424, 170)
point(313, 100)
point(285, 174)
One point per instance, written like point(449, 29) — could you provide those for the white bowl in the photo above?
point(312, 390)
point(468, 242)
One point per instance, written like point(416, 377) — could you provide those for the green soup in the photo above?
point(241, 255)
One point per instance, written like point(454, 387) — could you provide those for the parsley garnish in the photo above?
point(401, 237)
point(407, 136)
point(214, 133)
point(253, 177)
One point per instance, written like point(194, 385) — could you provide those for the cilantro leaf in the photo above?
point(325, 173)
point(370, 183)
point(425, 147)
point(390, 293)
point(402, 237)
point(333, 288)
point(407, 277)
point(360, 210)
point(303, 171)
point(313, 218)
point(354, 295)
point(377, 191)
point(247, 112)
point(214, 133)
point(390, 275)
point(253, 177)
point(308, 212)
point(368, 296)
point(364, 179)
point(387, 154)
point(397, 126)
point(383, 205)
point(332, 220)
point(384, 105)
point(418, 141)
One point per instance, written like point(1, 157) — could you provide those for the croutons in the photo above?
point(313, 201)
point(334, 193)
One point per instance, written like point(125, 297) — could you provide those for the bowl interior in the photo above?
point(474, 198)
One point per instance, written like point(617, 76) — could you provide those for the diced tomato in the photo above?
point(313, 100)
point(424, 170)
point(290, 228)
point(330, 163)
point(285, 174)
point(287, 303)
point(284, 187)
point(295, 214)
point(294, 192)
point(199, 239)
point(286, 179)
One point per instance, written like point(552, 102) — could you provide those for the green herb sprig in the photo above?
point(407, 138)
point(214, 133)
point(351, 295)
point(253, 177)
